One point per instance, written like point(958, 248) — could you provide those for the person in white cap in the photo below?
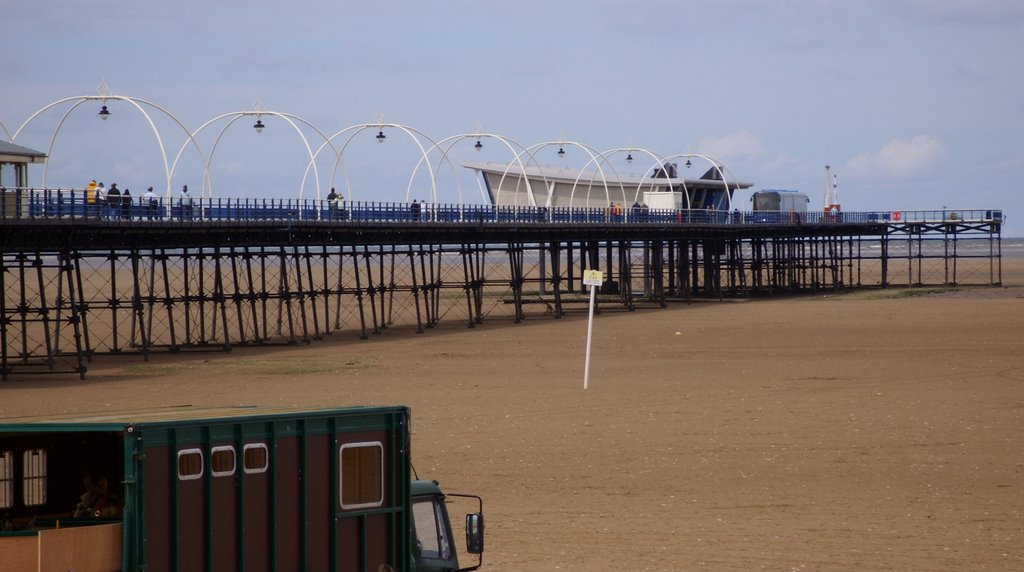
point(152, 204)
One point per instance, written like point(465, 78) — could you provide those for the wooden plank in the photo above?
point(81, 548)
point(19, 553)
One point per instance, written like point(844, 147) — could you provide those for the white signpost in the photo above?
point(592, 278)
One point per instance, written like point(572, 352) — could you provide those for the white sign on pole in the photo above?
point(592, 278)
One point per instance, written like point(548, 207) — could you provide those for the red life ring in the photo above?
point(897, 215)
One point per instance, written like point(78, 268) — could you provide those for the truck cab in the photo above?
point(778, 206)
point(225, 488)
point(434, 546)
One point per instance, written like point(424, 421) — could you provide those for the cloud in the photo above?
point(900, 158)
point(1012, 163)
point(737, 145)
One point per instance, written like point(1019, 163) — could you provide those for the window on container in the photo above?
point(362, 475)
point(222, 461)
point(255, 458)
point(34, 481)
point(190, 464)
point(6, 479)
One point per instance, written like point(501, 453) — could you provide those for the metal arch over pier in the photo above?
point(103, 95)
point(78, 286)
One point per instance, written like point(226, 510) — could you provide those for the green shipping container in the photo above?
point(191, 489)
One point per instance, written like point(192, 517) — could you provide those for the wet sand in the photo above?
point(874, 430)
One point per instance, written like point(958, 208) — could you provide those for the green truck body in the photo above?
point(239, 488)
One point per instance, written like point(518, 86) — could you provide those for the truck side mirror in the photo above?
point(475, 533)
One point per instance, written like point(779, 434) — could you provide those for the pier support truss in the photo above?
point(63, 306)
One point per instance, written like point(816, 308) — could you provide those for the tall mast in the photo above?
point(831, 189)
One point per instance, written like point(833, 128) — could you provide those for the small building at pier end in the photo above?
point(14, 162)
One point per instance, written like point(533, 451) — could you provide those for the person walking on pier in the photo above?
point(185, 202)
point(152, 204)
point(113, 201)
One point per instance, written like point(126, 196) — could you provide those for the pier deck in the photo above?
point(77, 282)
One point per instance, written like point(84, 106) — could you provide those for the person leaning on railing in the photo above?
point(152, 204)
point(90, 197)
point(126, 204)
point(113, 201)
point(101, 199)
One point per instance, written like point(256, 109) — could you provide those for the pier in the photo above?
point(78, 282)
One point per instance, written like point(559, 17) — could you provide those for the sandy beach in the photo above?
point(873, 430)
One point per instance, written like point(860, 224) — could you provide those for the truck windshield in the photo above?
point(431, 528)
point(767, 201)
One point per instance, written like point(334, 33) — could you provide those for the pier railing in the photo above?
point(62, 204)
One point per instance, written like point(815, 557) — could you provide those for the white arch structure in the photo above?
point(235, 116)
point(355, 130)
point(510, 144)
point(6, 132)
point(603, 158)
point(104, 96)
point(531, 151)
point(714, 163)
point(590, 151)
point(600, 160)
point(524, 179)
point(661, 162)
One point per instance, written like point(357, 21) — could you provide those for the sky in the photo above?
point(915, 104)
